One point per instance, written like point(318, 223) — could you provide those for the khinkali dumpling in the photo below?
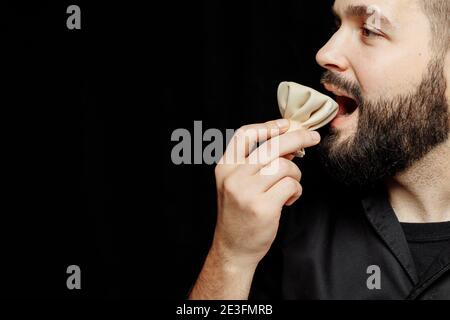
point(305, 107)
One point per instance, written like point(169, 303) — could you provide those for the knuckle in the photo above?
point(242, 131)
point(289, 168)
point(300, 189)
point(292, 184)
point(228, 185)
point(270, 124)
point(239, 133)
point(284, 166)
point(297, 171)
point(245, 128)
point(217, 170)
point(256, 208)
point(268, 127)
point(246, 132)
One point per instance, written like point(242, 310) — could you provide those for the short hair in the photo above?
point(438, 12)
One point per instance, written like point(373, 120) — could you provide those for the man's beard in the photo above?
point(391, 134)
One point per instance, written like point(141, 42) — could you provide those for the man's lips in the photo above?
point(347, 106)
point(337, 91)
point(347, 103)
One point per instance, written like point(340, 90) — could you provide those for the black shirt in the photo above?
point(330, 242)
point(426, 241)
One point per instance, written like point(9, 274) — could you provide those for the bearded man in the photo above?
point(381, 229)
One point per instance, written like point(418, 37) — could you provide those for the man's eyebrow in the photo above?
point(365, 12)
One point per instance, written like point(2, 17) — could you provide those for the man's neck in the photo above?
point(422, 192)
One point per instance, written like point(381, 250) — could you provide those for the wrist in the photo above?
point(230, 262)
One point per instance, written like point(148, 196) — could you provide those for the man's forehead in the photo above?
point(385, 4)
point(391, 12)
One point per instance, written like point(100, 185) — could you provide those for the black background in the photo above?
point(87, 118)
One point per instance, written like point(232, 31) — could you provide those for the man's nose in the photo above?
point(332, 55)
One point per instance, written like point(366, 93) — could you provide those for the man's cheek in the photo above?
point(386, 81)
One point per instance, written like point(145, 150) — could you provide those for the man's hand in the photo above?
point(253, 185)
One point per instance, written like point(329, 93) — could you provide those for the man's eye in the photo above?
point(368, 33)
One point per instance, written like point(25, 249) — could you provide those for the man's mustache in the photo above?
point(342, 84)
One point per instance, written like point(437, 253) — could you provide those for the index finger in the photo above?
point(246, 138)
point(281, 146)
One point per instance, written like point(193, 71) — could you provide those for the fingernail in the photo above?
point(282, 123)
point(315, 136)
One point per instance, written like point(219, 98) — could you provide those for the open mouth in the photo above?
point(346, 105)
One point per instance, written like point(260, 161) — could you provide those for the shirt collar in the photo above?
point(382, 217)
